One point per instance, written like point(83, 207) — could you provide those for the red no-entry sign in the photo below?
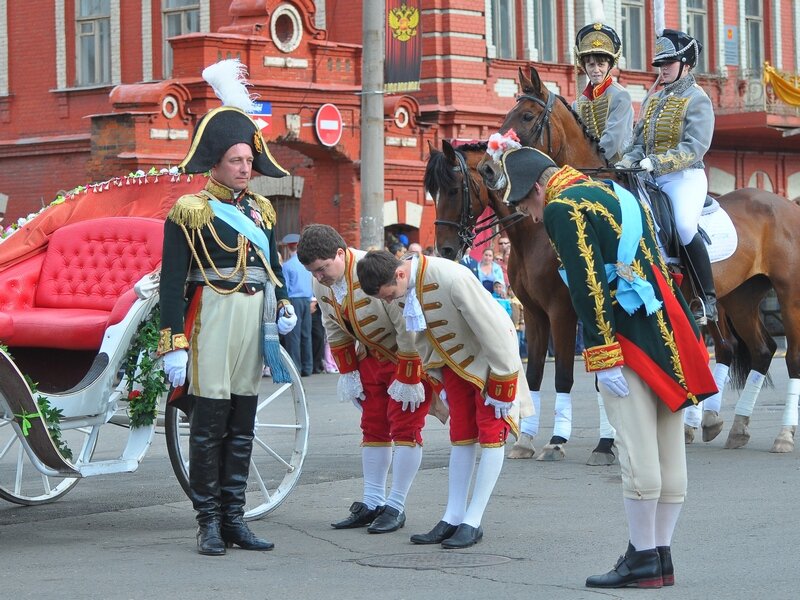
point(328, 124)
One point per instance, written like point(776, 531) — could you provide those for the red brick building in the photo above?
point(98, 88)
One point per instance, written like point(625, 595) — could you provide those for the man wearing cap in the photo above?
point(298, 287)
point(380, 372)
point(468, 336)
point(641, 342)
point(220, 256)
point(604, 106)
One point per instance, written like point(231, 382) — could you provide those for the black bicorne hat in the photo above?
point(522, 168)
point(222, 128)
point(676, 46)
point(597, 38)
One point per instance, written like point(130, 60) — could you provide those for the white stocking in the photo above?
point(404, 469)
point(462, 464)
point(666, 518)
point(747, 399)
point(375, 461)
point(692, 415)
point(641, 522)
point(488, 471)
point(721, 379)
point(606, 429)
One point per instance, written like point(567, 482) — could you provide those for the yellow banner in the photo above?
point(787, 87)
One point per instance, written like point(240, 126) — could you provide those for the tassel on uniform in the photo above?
point(272, 355)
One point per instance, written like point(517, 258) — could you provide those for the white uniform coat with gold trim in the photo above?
point(370, 324)
point(467, 329)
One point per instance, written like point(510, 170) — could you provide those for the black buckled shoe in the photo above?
point(360, 516)
point(440, 532)
point(635, 569)
point(237, 532)
point(389, 520)
point(209, 540)
point(464, 537)
point(667, 570)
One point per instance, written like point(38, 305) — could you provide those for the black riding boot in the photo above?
point(207, 429)
point(235, 469)
point(700, 270)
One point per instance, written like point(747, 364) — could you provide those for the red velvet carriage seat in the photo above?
point(67, 296)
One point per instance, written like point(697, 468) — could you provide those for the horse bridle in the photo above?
point(465, 230)
point(543, 120)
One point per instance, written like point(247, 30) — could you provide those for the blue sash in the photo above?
point(233, 217)
point(632, 290)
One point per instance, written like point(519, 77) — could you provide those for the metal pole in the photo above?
point(372, 125)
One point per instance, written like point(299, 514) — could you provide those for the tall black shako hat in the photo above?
point(522, 168)
point(676, 46)
point(229, 124)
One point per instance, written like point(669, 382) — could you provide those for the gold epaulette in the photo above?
point(191, 211)
point(266, 210)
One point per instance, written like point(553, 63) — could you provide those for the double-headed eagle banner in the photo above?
point(403, 46)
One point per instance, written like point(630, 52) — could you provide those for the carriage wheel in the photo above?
point(21, 482)
point(279, 446)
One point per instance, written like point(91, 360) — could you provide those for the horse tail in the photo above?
point(742, 361)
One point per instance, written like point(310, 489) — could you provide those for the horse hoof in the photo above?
point(601, 459)
point(739, 434)
point(688, 434)
point(711, 425)
point(523, 447)
point(551, 453)
point(784, 443)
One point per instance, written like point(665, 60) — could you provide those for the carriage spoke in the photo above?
point(274, 395)
point(272, 453)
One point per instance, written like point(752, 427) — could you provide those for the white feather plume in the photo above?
point(658, 16)
point(227, 78)
point(597, 13)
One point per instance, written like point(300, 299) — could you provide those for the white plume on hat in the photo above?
point(227, 78)
point(658, 16)
point(597, 13)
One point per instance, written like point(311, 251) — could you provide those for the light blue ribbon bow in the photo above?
point(632, 290)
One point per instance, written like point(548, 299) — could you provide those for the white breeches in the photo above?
point(687, 192)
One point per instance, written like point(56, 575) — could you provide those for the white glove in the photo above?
point(286, 319)
point(501, 408)
point(175, 362)
point(623, 164)
point(614, 380)
point(646, 164)
point(349, 387)
point(410, 395)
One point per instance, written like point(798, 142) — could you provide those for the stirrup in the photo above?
point(704, 312)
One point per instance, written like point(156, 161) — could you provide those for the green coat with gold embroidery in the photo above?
point(583, 219)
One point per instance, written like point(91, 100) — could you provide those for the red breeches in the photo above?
point(470, 419)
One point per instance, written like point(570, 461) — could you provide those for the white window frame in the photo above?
point(504, 34)
point(546, 52)
point(695, 15)
point(753, 20)
point(103, 67)
point(184, 11)
point(639, 42)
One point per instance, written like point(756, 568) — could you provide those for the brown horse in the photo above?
point(452, 179)
point(766, 257)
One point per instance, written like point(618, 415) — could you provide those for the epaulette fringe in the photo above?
point(191, 211)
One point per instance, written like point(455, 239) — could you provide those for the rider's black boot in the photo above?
point(700, 266)
point(235, 469)
point(207, 429)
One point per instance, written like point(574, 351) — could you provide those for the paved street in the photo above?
point(548, 526)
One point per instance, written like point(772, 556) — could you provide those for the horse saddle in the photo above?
point(715, 226)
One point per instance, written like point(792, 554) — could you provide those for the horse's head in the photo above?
point(458, 195)
point(543, 120)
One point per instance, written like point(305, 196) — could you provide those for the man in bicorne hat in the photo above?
point(220, 255)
